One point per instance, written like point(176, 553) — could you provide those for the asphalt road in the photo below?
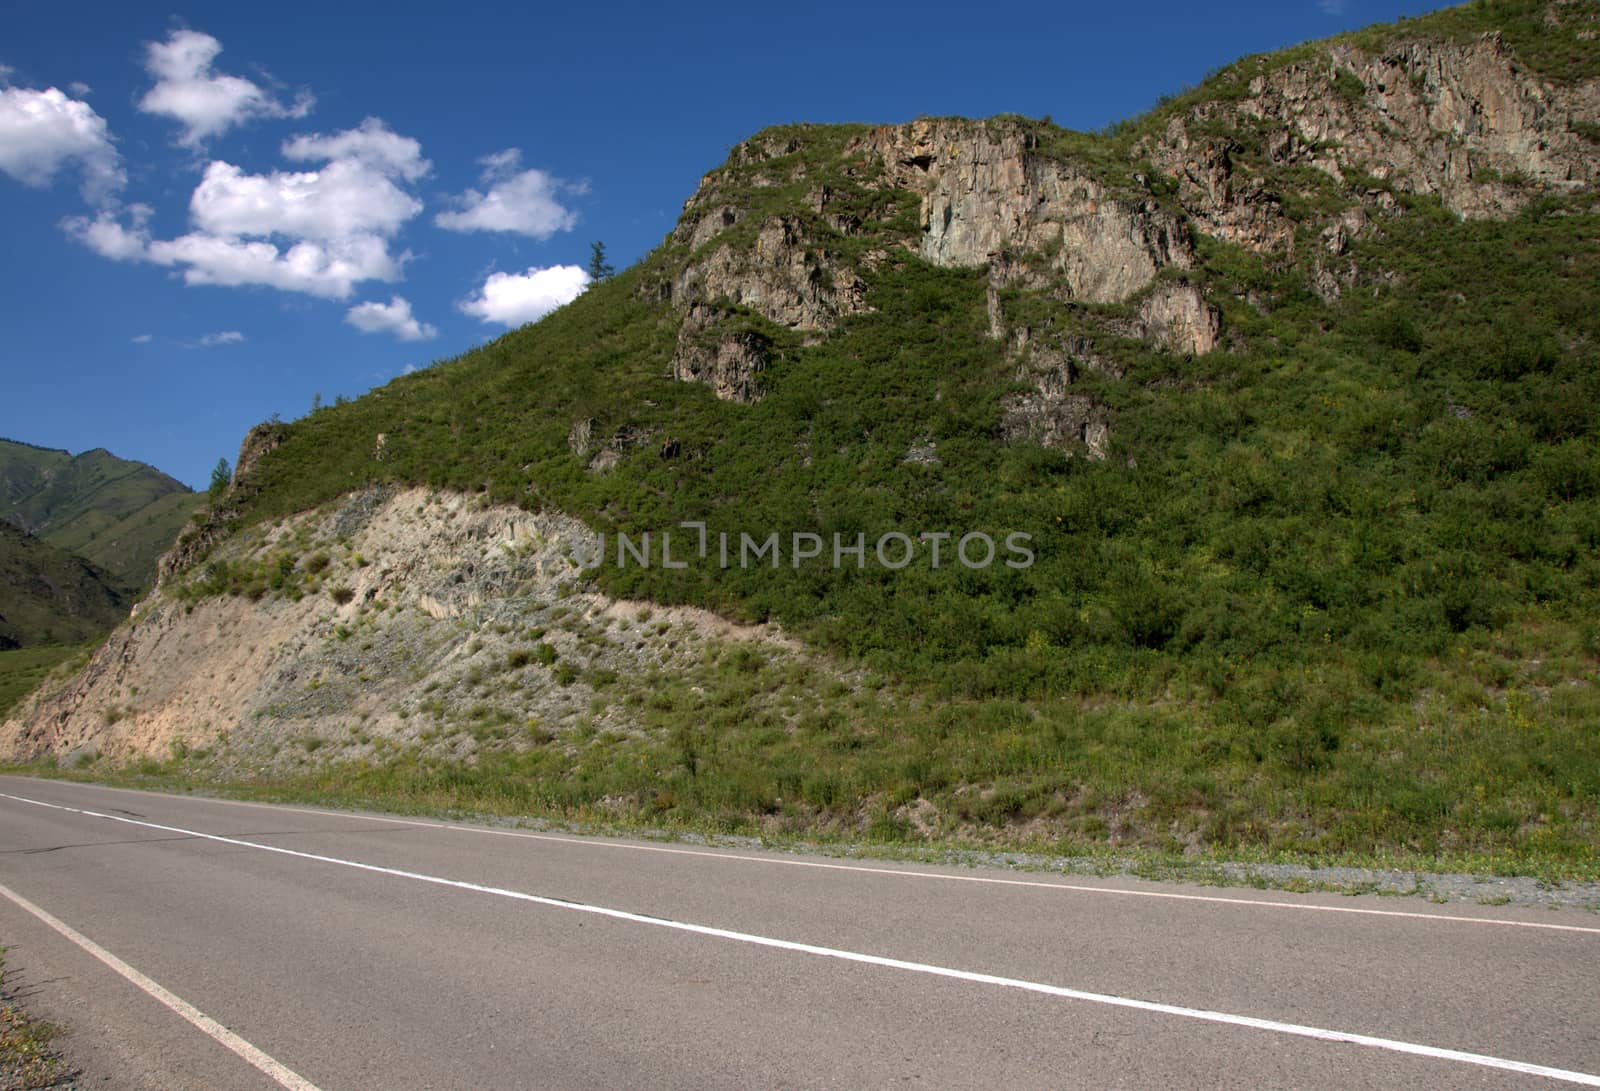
point(205, 944)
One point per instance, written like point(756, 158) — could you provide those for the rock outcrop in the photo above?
point(782, 275)
point(1464, 121)
point(1049, 416)
point(1177, 318)
point(258, 443)
point(729, 361)
point(985, 193)
point(196, 541)
point(1052, 414)
point(1307, 155)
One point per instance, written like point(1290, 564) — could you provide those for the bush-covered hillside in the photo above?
point(1333, 588)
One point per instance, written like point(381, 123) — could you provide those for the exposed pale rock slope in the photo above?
point(402, 619)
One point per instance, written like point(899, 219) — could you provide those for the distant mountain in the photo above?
point(51, 596)
point(118, 514)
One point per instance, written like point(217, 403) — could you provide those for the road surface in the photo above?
point(207, 944)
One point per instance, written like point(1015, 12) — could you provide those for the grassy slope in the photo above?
point(1342, 601)
point(119, 514)
point(22, 669)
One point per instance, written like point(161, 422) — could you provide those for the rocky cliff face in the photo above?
point(985, 194)
point(785, 276)
point(983, 197)
point(1465, 121)
point(196, 542)
point(785, 268)
point(709, 352)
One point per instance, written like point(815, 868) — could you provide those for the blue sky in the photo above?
point(212, 214)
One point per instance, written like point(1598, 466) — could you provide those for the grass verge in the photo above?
point(27, 1061)
point(486, 801)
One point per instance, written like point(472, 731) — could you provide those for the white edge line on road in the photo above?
point(1299, 1030)
point(903, 873)
point(274, 1070)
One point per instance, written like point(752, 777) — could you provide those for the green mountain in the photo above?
point(118, 514)
point(1302, 365)
point(51, 596)
point(1293, 385)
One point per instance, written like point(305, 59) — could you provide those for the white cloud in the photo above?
point(80, 89)
point(500, 164)
point(343, 199)
point(41, 132)
point(371, 143)
point(330, 269)
point(514, 298)
point(392, 317)
point(204, 101)
point(320, 232)
point(337, 220)
point(108, 237)
point(1331, 7)
point(524, 202)
point(226, 337)
point(141, 338)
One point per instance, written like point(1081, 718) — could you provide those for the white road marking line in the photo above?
point(1227, 1018)
point(906, 873)
point(274, 1070)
